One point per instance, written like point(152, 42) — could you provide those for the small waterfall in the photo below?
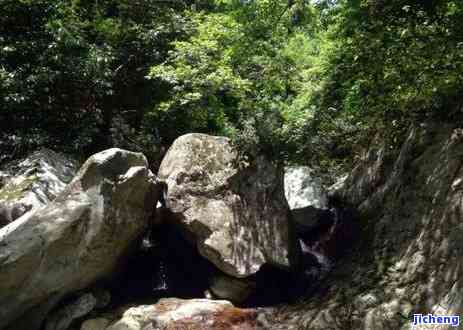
point(160, 279)
point(323, 263)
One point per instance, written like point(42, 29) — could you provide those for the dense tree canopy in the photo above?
point(304, 81)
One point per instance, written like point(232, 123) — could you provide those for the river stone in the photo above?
point(32, 182)
point(80, 237)
point(173, 313)
point(235, 212)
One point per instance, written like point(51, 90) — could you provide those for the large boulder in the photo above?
point(303, 188)
point(32, 182)
point(80, 237)
point(236, 212)
point(306, 197)
point(194, 314)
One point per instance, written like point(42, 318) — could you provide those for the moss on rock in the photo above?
point(15, 190)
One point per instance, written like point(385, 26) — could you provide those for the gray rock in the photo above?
point(409, 258)
point(34, 318)
point(30, 183)
point(229, 288)
point(95, 324)
point(62, 319)
point(103, 297)
point(337, 186)
point(4, 177)
point(306, 197)
point(80, 237)
point(365, 178)
point(235, 212)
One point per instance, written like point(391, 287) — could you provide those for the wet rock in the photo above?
point(230, 288)
point(235, 212)
point(308, 218)
point(303, 189)
point(80, 237)
point(102, 296)
point(62, 319)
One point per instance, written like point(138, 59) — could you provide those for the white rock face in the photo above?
point(33, 182)
point(236, 213)
point(302, 189)
point(78, 238)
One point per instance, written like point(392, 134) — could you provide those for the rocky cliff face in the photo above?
point(32, 182)
point(409, 258)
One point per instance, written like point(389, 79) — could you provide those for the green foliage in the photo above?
point(303, 81)
point(378, 66)
point(395, 62)
point(70, 69)
point(205, 93)
point(237, 75)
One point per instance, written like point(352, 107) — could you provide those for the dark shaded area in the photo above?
point(10, 212)
point(324, 240)
point(275, 286)
point(305, 219)
point(334, 234)
point(170, 267)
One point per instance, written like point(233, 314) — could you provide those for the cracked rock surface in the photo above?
point(32, 182)
point(78, 238)
point(235, 212)
point(409, 260)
